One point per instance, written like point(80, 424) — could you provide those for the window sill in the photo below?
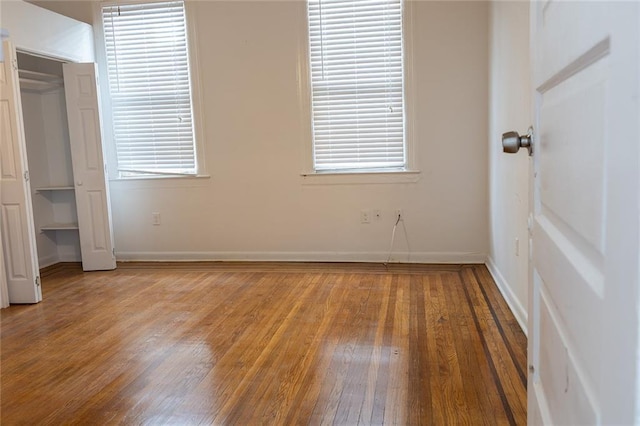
point(160, 181)
point(160, 177)
point(360, 178)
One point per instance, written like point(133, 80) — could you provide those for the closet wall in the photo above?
point(49, 158)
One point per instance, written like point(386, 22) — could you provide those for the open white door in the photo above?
point(584, 323)
point(91, 185)
point(18, 233)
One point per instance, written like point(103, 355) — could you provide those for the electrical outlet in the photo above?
point(155, 218)
point(365, 216)
point(377, 215)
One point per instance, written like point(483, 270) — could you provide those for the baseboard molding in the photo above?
point(422, 257)
point(514, 304)
point(59, 267)
point(47, 261)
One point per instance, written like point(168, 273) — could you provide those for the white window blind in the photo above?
point(148, 68)
point(357, 84)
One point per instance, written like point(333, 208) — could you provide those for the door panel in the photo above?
point(585, 287)
point(7, 150)
point(90, 133)
point(17, 268)
point(562, 36)
point(560, 377)
point(91, 185)
point(18, 233)
point(573, 191)
point(99, 222)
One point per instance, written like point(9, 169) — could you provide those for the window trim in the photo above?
point(410, 173)
point(196, 94)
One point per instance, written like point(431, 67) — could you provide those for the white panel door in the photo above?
point(17, 228)
point(584, 324)
point(91, 185)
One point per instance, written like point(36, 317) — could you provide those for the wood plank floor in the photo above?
point(261, 343)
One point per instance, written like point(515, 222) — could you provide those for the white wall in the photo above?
point(49, 159)
point(35, 135)
point(35, 30)
point(257, 206)
point(510, 109)
point(81, 10)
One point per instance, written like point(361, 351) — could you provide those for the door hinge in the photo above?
point(26, 175)
point(37, 281)
point(14, 64)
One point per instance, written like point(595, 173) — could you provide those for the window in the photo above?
point(148, 68)
point(357, 89)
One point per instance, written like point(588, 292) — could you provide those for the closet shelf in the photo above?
point(59, 227)
point(54, 188)
point(37, 86)
point(38, 81)
point(40, 76)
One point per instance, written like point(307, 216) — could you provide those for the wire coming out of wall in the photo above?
point(393, 237)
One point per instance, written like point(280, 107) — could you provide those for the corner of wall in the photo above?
point(508, 176)
point(505, 289)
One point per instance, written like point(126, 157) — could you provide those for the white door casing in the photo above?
point(17, 228)
point(4, 290)
point(91, 184)
point(584, 295)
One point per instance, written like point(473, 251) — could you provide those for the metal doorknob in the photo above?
point(512, 141)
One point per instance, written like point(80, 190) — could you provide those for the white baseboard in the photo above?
point(423, 257)
point(514, 304)
point(43, 262)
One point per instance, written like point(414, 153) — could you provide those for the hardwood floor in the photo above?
point(264, 343)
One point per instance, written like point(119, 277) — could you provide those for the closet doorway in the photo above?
point(55, 197)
